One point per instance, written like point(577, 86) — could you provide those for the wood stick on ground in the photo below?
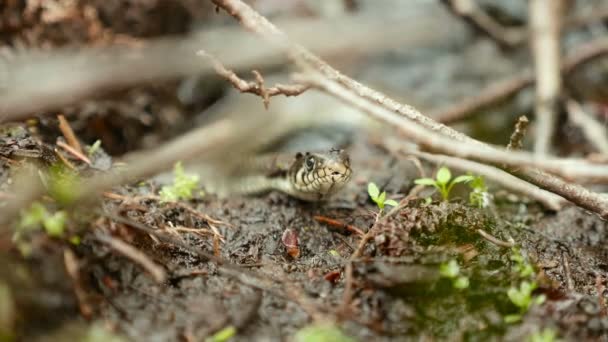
point(68, 133)
point(545, 22)
point(594, 131)
point(155, 270)
point(508, 87)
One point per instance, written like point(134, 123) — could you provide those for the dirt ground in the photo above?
point(270, 265)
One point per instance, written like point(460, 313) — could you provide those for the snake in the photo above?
point(308, 176)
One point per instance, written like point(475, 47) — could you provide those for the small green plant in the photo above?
point(451, 270)
point(545, 335)
point(479, 195)
point(522, 267)
point(62, 184)
point(321, 333)
point(222, 335)
point(522, 298)
point(182, 187)
point(94, 148)
point(379, 198)
point(36, 215)
point(443, 181)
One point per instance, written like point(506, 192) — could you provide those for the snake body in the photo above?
point(306, 176)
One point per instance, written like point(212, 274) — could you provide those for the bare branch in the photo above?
point(593, 130)
point(508, 87)
point(257, 87)
point(545, 22)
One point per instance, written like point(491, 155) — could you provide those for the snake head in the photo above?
point(317, 176)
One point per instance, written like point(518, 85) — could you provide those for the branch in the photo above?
point(508, 87)
point(545, 21)
point(257, 87)
point(594, 131)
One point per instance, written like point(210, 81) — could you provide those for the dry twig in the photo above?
point(545, 24)
point(508, 87)
point(596, 134)
point(256, 87)
point(155, 270)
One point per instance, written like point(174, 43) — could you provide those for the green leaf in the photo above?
point(512, 318)
point(443, 175)
point(222, 335)
point(373, 190)
point(391, 202)
point(461, 283)
point(518, 298)
point(54, 225)
point(382, 197)
point(182, 187)
point(538, 300)
point(425, 181)
point(449, 269)
point(463, 179)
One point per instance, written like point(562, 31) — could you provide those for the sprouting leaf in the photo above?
point(93, 148)
point(461, 282)
point(182, 187)
point(449, 269)
point(382, 198)
point(443, 175)
point(391, 202)
point(54, 225)
point(463, 179)
point(222, 335)
point(373, 191)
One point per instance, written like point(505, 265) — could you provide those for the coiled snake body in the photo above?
point(307, 176)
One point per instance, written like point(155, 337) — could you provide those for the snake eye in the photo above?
point(310, 163)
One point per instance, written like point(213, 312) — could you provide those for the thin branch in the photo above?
point(494, 239)
point(568, 168)
point(594, 131)
point(545, 26)
point(480, 19)
point(257, 87)
point(508, 87)
point(68, 133)
point(155, 270)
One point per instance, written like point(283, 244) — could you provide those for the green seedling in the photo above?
point(451, 270)
point(545, 335)
point(62, 184)
point(522, 298)
point(94, 148)
point(443, 181)
point(223, 335)
point(321, 333)
point(479, 195)
point(36, 215)
point(522, 267)
point(379, 198)
point(182, 187)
